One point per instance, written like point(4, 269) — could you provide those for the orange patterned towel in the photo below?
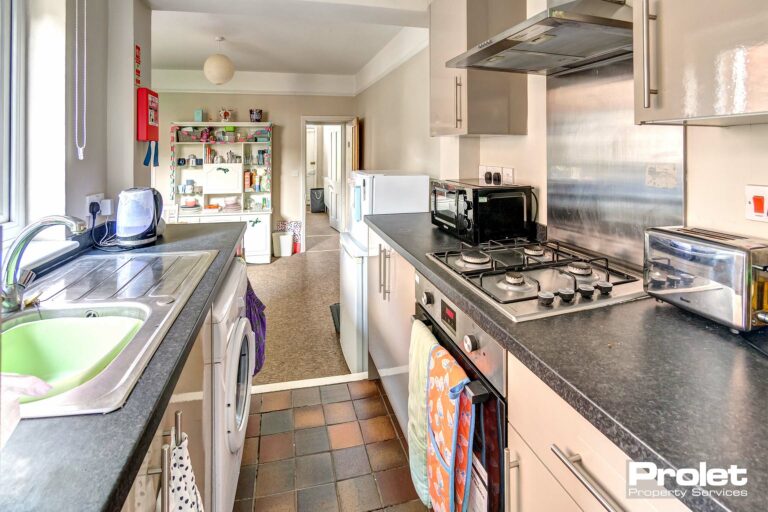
point(451, 420)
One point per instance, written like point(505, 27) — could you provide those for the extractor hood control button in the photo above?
point(566, 294)
point(586, 290)
point(605, 287)
point(427, 298)
point(471, 342)
point(546, 298)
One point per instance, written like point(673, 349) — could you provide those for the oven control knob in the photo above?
point(586, 290)
point(605, 287)
point(566, 294)
point(546, 298)
point(471, 343)
point(427, 298)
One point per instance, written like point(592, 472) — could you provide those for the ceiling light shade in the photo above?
point(218, 69)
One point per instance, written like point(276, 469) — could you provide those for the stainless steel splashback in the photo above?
point(607, 178)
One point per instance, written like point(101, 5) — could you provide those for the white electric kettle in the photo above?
point(139, 221)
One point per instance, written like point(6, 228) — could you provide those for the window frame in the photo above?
point(13, 130)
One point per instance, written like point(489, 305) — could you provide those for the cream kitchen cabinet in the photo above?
point(472, 102)
point(700, 63)
point(391, 299)
point(585, 463)
point(257, 241)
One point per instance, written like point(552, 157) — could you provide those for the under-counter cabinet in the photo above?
point(187, 399)
point(391, 292)
point(701, 63)
point(576, 458)
point(473, 102)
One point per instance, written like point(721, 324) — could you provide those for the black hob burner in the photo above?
point(518, 270)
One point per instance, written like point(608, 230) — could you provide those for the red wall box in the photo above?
point(147, 114)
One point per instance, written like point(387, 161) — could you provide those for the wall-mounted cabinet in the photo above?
point(472, 102)
point(700, 63)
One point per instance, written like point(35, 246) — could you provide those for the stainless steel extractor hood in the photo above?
point(568, 35)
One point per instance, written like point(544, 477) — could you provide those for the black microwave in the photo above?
point(476, 212)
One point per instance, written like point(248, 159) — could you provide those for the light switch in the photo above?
point(755, 202)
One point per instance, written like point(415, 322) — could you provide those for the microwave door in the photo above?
point(445, 206)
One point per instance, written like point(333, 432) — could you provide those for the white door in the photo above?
point(334, 165)
point(311, 165)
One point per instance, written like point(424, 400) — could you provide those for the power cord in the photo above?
point(107, 242)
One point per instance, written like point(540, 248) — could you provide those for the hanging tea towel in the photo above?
point(422, 343)
point(184, 494)
point(254, 310)
point(451, 421)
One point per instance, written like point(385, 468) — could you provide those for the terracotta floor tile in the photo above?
point(344, 435)
point(306, 396)
point(276, 401)
point(255, 404)
point(358, 494)
point(254, 425)
point(411, 506)
point(308, 417)
point(339, 412)
point(350, 462)
point(312, 470)
point(285, 502)
point(398, 430)
point(334, 393)
point(275, 477)
point(377, 429)
point(246, 483)
point(276, 447)
point(388, 405)
point(250, 451)
point(318, 499)
point(395, 486)
point(367, 408)
point(386, 455)
point(363, 389)
point(276, 422)
point(311, 440)
point(243, 506)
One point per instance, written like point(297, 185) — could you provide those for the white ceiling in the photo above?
point(335, 37)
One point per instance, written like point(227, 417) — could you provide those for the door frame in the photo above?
point(305, 120)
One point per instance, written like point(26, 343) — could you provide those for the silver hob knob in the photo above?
point(427, 298)
point(546, 298)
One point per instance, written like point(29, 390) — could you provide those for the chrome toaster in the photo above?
point(720, 276)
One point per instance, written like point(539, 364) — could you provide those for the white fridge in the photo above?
point(369, 193)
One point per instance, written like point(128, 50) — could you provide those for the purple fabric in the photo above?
point(254, 310)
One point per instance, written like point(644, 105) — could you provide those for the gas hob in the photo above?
point(533, 280)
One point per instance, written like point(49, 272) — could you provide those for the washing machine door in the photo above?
point(238, 369)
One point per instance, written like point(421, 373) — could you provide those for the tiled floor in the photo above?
point(336, 448)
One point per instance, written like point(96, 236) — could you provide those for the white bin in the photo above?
point(282, 243)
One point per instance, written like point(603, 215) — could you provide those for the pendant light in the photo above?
point(218, 68)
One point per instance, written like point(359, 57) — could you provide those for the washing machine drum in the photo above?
point(238, 372)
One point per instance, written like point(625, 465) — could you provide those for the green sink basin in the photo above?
point(64, 352)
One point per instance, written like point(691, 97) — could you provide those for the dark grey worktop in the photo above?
point(663, 384)
point(88, 463)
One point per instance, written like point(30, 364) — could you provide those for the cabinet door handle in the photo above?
point(387, 273)
point(509, 465)
point(570, 463)
point(165, 478)
point(457, 101)
point(381, 271)
point(647, 91)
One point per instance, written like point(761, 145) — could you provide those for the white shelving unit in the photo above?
point(244, 175)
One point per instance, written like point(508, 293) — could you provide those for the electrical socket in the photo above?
point(92, 198)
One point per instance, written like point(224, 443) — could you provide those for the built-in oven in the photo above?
point(484, 362)
point(476, 212)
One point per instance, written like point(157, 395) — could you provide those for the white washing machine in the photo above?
point(229, 364)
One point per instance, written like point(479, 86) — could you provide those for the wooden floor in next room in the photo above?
point(302, 342)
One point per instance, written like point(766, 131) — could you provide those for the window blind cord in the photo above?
point(81, 114)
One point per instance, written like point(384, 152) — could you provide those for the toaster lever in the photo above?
point(762, 268)
point(762, 316)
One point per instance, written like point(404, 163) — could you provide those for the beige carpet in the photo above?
point(298, 290)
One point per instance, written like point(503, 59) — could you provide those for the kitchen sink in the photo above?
point(67, 348)
point(99, 320)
